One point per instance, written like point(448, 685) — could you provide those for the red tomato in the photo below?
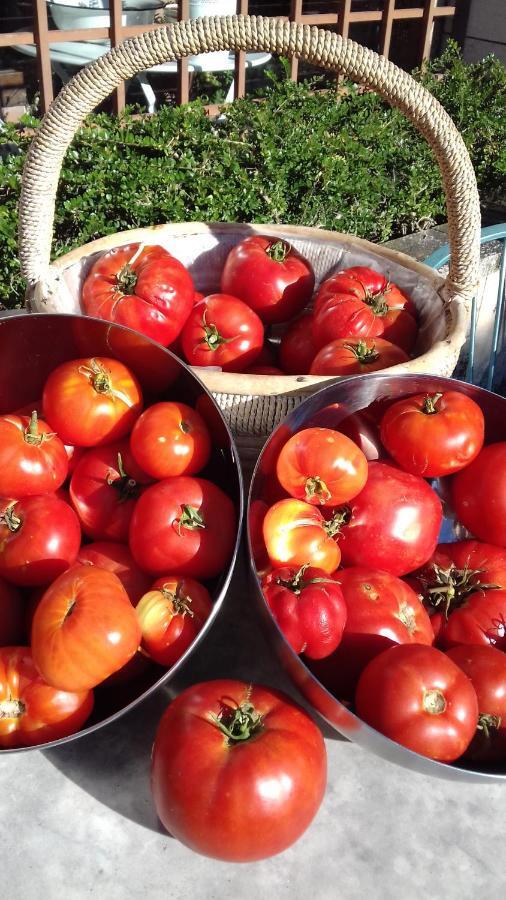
point(349, 356)
point(270, 276)
point(366, 284)
point(263, 370)
point(197, 297)
point(393, 524)
point(222, 331)
point(344, 316)
point(118, 559)
point(91, 401)
point(322, 467)
point(476, 555)
point(143, 287)
point(31, 711)
point(170, 439)
point(84, 629)
point(296, 350)
point(12, 615)
point(309, 608)
point(486, 669)
point(39, 539)
point(185, 525)
point(296, 534)
point(479, 495)
point(433, 435)
point(480, 619)
point(382, 610)
point(32, 458)
point(238, 771)
point(104, 490)
point(417, 696)
point(171, 615)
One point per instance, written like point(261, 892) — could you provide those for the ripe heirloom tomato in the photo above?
point(84, 629)
point(169, 439)
point(480, 619)
point(39, 539)
point(479, 495)
point(171, 615)
point(144, 288)
point(345, 316)
point(366, 284)
point(296, 349)
point(185, 525)
point(309, 608)
point(32, 458)
point(393, 524)
point(222, 331)
point(417, 696)
point(382, 610)
point(12, 615)
point(433, 435)
point(349, 356)
point(91, 401)
point(270, 276)
point(322, 467)
point(116, 558)
point(104, 489)
point(486, 669)
point(238, 771)
point(31, 711)
point(296, 534)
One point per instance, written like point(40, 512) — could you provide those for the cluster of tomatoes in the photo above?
point(409, 632)
point(105, 536)
point(361, 322)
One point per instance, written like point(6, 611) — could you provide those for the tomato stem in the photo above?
point(341, 517)
point(212, 336)
point(278, 251)
point(434, 702)
point(180, 602)
point(362, 352)
point(12, 709)
point(239, 724)
point(9, 518)
point(126, 486)
point(429, 404)
point(450, 587)
point(488, 723)
point(190, 518)
point(298, 582)
point(316, 487)
point(98, 376)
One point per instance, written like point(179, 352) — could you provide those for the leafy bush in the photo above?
point(340, 161)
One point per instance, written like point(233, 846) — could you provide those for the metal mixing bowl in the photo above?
point(30, 347)
point(357, 400)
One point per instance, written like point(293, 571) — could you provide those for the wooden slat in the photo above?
point(386, 27)
point(116, 12)
point(346, 16)
point(427, 29)
point(295, 16)
point(43, 57)
point(240, 58)
point(374, 15)
point(11, 38)
point(319, 19)
point(183, 78)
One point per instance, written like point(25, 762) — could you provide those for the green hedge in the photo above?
point(299, 157)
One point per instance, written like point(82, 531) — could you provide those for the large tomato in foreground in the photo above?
point(486, 669)
point(32, 712)
point(183, 525)
point(12, 615)
point(322, 467)
point(351, 356)
point(238, 771)
point(433, 435)
point(222, 331)
point(270, 276)
point(91, 401)
point(309, 608)
point(479, 495)
point(170, 439)
point(171, 615)
point(296, 534)
point(144, 288)
point(84, 629)
point(420, 698)
point(33, 460)
point(393, 524)
point(116, 557)
point(39, 539)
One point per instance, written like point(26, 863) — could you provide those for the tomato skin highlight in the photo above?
point(222, 331)
point(433, 435)
point(170, 439)
point(41, 541)
point(84, 628)
point(322, 467)
point(295, 535)
point(479, 495)
point(486, 669)
point(91, 401)
point(171, 614)
point(38, 712)
point(417, 696)
point(277, 289)
point(237, 801)
point(33, 460)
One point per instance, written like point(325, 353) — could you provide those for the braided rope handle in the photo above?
point(94, 83)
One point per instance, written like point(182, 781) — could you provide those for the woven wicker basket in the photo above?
point(254, 404)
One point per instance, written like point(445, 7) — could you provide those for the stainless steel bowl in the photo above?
point(357, 400)
point(30, 347)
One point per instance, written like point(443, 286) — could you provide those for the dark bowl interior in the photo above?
point(30, 347)
point(355, 405)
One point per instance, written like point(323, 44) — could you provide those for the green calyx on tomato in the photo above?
point(12, 709)
point(362, 352)
point(450, 587)
point(190, 518)
point(488, 723)
point(341, 517)
point(180, 602)
point(434, 702)
point(32, 434)
point(316, 487)
point(238, 724)
point(126, 486)
point(278, 251)
point(212, 336)
point(126, 279)
point(430, 403)
point(9, 518)
point(298, 582)
point(98, 376)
